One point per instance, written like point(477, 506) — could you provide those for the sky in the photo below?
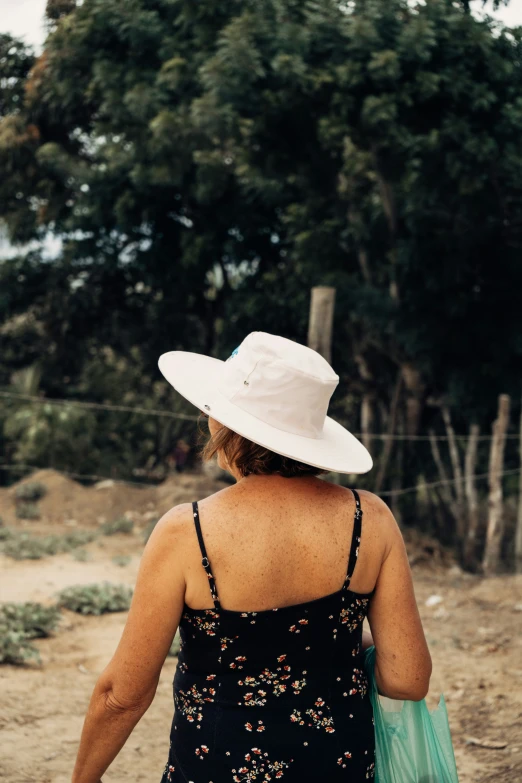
point(24, 18)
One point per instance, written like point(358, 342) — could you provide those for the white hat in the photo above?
point(275, 392)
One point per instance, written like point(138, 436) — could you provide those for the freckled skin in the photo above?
point(274, 541)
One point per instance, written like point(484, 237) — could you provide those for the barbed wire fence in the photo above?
point(456, 494)
point(86, 405)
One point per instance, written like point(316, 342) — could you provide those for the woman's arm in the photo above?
point(127, 686)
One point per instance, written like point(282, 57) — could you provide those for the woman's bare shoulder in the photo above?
point(379, 520)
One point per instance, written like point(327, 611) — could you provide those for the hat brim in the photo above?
point(197, 378)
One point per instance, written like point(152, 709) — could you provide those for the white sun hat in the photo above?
point(275, 392)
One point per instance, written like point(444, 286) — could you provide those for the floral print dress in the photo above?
point(278, 694)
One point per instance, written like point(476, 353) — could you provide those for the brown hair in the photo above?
point(248, 457)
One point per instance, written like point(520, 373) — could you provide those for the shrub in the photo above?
point(5, 533)
point(27, 511)
point(78, 538)
point(96, 598)
point(31, 491)
point(81, 554)
point(21, 622)
point(120, 525)
point(31, 618)
point(15, 647)
point(121, 560)
point(23, 546)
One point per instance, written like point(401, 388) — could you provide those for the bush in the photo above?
point(81, 554)
point(21, 622)
point(27, 511)
point(77, 538)
point(5, 533)
point(96, 599)
point(31, 491)
point(15, 647)
point(31, 618)
point(121, 560)
point(23, 546)
point(120, 525)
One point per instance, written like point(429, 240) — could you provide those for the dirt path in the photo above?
point(473, 634)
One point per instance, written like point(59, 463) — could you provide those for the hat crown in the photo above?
point(280, 382)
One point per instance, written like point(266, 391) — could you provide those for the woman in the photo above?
point(261, 579)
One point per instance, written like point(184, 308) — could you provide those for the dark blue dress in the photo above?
point(279, 694)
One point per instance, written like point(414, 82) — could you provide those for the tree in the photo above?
point(204, 165)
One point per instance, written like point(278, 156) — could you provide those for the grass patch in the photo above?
point(96, 598)
point(6, 532)
point(120, 525)
point(121, 560)
point(21, 622)
point(24, 546)
point(82, 555)
point(31, 491)
point(27, 511)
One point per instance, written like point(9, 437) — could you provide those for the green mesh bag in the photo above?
point(412, 744)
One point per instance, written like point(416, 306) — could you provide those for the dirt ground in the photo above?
point(472, 627)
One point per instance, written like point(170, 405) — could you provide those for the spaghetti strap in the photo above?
point(205, 561)
point(356, 537)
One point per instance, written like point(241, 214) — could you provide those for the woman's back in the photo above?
point(275, 542)
point(270, 681)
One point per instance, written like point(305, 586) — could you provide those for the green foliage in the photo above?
point(205, 167)
point(16, 60)
point(15, 648)
point(34, 619)
point(96, 598)
point(121, 560)
point(23, 546)
point(82, 555)
point(31, 491)
point(27, 511)
point(20, 622)
point(120, 525)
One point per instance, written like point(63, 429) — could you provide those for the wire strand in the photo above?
point(394, 492)
point(99, 406)
point(189, 417)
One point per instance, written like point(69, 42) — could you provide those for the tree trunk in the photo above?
point(468, 555)
point(457, 474)
point(366, 420)
point(414, 398)
point(495, 530)
point(518, 532)
point(397, 475)
point(320, 322)
point(388, 443)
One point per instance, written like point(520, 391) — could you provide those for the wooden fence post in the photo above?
point(496, 462)
point(518, 532)
point(457, 474)
point(470, 463)
point(320, 322)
